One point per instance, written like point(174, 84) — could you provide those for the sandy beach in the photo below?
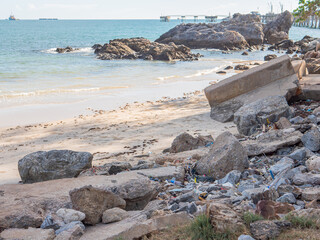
point(118, 135)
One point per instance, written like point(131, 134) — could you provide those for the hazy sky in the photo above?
point(136, 9)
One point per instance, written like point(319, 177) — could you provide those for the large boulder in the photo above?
point(271, 141)
point(225, 155)
point(267, 230)
point(311, 139)
point(93, 201)
point(55, 164)
point(278, 29)
point(186, 142)
point(141, 48)
point(264, 111)
point(313, 65)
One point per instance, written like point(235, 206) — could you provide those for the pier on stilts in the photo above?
point(196, 18)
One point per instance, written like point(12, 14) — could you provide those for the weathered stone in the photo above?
point(186, 142)
point(310, 194)
point(311, 213)
point(225, 155)
point(93, 201)
point(70, 215)
point(241, 67)
point(51, 223)
point(223, 218)
point(154, 206)
point(114, 215)
point(245, 237)
point(313, 164)
point(281, 165)
point(141, 48)
point(298, 155)
point(117, 167)
point(283, 123)
point(287, 198)
point(55, 164)
point(27, 234)
point(264, 230)
point(68, 227)
point(257, 194)
point(74, 233)
point(311, 139)
point(135, 227)
point(66, 50)
point(270, 57)
point(272, 141)
point(232, 177)
point(163, 173)
point(306, 178)
point(264, 111)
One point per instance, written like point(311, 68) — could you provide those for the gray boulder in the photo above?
point(281, 165)
point(311, 139)
point(114, 215)
point(287, 198)
point(249, 117)
point(225, 155)
point(93, 201)
point(69, 226)
point(55, 164)
point(232, 177)
point(70, 215)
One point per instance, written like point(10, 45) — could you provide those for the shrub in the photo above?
point(249, 217)
point(302, 222)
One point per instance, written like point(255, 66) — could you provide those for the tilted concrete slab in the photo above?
point(300, 68)
point(273, 78)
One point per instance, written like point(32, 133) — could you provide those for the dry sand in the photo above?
point(139, 128)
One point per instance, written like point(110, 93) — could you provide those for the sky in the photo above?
point(133, 9)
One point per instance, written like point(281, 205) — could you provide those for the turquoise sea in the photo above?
point(37, 84)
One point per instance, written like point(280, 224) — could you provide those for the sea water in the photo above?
point(37, 84)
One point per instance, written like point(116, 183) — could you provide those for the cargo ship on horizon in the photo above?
point(12, 18)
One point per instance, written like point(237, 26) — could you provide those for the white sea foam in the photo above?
point(80, 50)
point(203, 72)
point(167, 77)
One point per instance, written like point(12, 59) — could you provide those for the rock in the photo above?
point(313, 204)
point(313, 65)
point(261, 193)
point(27, 234)
point(241, 67)
point(223, 218)
point(271, 141)
point(250, 116)
point(228, 68)
point(185, 142)
point(136, 227)
point(154, 206)
point(287, 198)
point(66, 50)
point(163, 173)
point(310, 194)
point(306, 178)
point(117, 167)
point(313, 164)
point(137, 193)
point(298, 154)
point(281, 165)
point(310, 213)
point(283, 123)
point(225, 155)
point(51, 223)
point(141, 48)
point(245, 237)
point(269, 57)
point(68, 227)
point(93, 201)
point(221, 72)
point(74, 233)
point(232, 177)
point(70, 215)
point(273, 30)
point(267, 230)
point(245, 53)
point(316, 111)
point(55, 164)
point(114, 215)
point(311, 139)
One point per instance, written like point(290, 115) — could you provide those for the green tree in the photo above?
point(307, 8)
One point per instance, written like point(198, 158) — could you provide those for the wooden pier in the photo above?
point(310, 22)
point(195, 18)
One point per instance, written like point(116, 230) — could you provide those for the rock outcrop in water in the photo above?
point(141, 48)
point(238, 33)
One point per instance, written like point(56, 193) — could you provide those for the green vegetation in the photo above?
point(302, 222)
point(249, 217)
point(201, 229)
point(307, 8)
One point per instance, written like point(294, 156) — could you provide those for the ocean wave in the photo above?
point(203, 72)
point(167, 77)
point(80, 50)
point(54, 91)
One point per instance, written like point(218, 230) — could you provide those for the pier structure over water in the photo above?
point(207, 18)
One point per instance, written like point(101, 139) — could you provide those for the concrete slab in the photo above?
point(300, 68)
point(310, 86)
point(276, 77)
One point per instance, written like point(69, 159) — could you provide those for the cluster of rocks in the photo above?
point(66, 50)
point(271, 168)
point(230, 35)
point(141, 48)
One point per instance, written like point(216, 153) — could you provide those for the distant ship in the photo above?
point(12, 18)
